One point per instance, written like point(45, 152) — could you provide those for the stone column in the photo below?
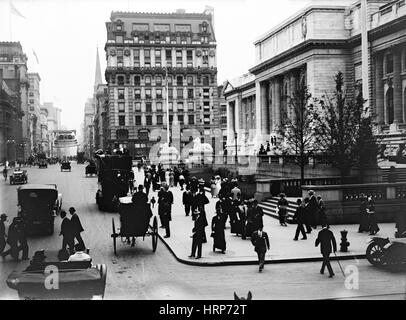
point(271, 115)
point(264, 108)
point(397, 87)
point(293, 93)
point(258, 116)
point(379, 90)
point(230, 122)
point(277, 102)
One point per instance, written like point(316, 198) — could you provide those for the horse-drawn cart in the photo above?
point(134, 222)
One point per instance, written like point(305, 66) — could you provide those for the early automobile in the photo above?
point(134, 222)
point(91, 168)
point(42, 163)
point(19, 176)
point(114, 174)
point(65, 165)
point(38, 205)
point(76, 279)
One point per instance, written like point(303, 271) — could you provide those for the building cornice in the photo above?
point(300, 48)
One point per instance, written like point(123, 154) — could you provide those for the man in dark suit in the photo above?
point(76, 226)
point(140, 198)
point(300, 218)
point(327, 244)
point(260, 241)
point(66, 233)
point(187, 199)
point(313, 209)
point(198, 234)
point(166, 204)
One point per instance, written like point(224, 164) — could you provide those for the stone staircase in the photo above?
point(400, 172)
point(269, 206)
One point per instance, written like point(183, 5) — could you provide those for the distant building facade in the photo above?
point(34, 106)
point(155, 60)
point(13, 63)
point(310, 48)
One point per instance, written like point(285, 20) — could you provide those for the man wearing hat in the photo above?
point(3, 218)
point(76, 226)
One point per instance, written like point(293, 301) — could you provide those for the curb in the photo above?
point(254, 262)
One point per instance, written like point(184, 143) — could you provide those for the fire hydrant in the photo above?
point(344, 243)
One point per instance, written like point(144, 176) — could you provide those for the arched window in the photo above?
point(179, 81)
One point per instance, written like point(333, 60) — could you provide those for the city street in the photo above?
point(138, 273)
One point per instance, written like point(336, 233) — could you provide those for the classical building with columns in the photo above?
point(311, 47)
point(161, 71)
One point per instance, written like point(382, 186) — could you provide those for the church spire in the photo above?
point(98, 75)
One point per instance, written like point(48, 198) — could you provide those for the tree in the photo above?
point(299, 136)
point(345, 130)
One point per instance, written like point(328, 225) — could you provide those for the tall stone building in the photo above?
point(34, 106)
point(365, 41)
point(53, 122)
point(13, 63)
point(158, 62)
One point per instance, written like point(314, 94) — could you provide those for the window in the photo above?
point(179, 93)
point(149, 120)
point(180, 106)
point(169, 64)
point(147, 80)
point(158, 81)
point(137, 80)
point(205, 56)
point(168, 54)
point(119, 53)
point(147, 64)
point(191, 106)
point(179, 80)
point(189, 64)
point(121, 107)
point(159, 119)
point(159, 93)
point(31, 94)
point(137, 106)
point(180, 119)
point(189, 55)
point(31, 101)
point(119, 39)
point(136, 64)
point(147, 93)
point(137, 93)
point(191, 119)
point(204, 39)
point(138, 120)
point(158, 54)
point(206, 93)
point(223, 120)
point(119, 27)
point(179, 65)
point(121, 120)
point(136, 54)
point(121, 93)
point(190, 94)
point(170, 93)
point(190, 81)
point(147, 54)
point(178, 55)
point(170, 119)
point(158, 64)
point(148, 107)
point(120, 80)
point(159, 106)
point(205, 80)
point(169, 79)
point(389, 63)
point(170, 106)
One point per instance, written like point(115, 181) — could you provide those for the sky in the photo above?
point(64, 34)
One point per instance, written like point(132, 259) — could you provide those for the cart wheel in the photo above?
point(375, 253)
point(154, 234)
point(114, 235)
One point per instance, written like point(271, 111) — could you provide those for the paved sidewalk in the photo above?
point(283, 247)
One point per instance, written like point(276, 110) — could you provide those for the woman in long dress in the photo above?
point(218, 186)
point(217, 228)
point(213, 186)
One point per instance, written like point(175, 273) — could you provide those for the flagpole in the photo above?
point(9, 20)
point(167, 106)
